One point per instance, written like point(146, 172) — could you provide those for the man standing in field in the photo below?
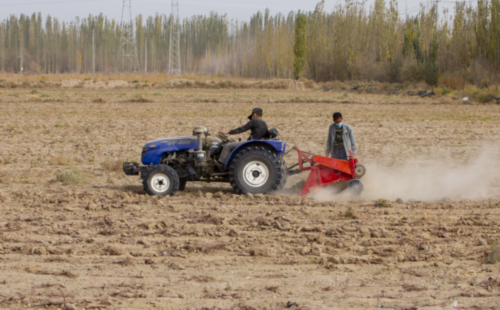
point(258, 129)
point(340, 139)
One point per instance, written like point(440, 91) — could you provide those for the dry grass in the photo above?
point(99, 100)
point(72, 176)
point(37, 270)
point(113, 250)
point(450, 84)
point(127, 261)
point(452, 81)
point(4, 177)
point(383, 203)
point(351, 214)
point(151, 78)
point(201, 279)
point(112, 165)
point(61, 160)
point(56, 259)
point(414, 287)
point(495, 254)
point(140, 100)
point(274, 289)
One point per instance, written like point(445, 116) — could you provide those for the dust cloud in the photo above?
point(428, 180)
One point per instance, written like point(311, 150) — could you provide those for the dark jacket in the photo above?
point(258, 128)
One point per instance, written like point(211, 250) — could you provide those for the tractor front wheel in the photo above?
point(161, 181)
point(256, 170)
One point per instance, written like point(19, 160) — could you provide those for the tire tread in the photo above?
point(280, 174)
point(168, 171)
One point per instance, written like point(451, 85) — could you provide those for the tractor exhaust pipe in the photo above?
point(198, 131)
point(200, 155)
point(200, 144)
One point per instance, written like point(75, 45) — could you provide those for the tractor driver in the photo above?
point(258, 129)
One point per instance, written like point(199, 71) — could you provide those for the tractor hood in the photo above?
point(176, 144)
point(153, 150)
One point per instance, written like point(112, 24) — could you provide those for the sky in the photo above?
point(67, 10)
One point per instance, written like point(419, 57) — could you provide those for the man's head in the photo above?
point(337, 118)
point(256, 113)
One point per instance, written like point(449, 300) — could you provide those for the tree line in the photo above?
point(351, 42)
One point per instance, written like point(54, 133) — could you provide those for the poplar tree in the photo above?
point(300, 47)
point(350, 42)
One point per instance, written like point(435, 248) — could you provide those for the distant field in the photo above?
point(74, 229)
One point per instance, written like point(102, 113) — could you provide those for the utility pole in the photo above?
point(146, 56)
point(21, 42)
point(437, 11)
point(128, 46)
point(1, 40)
point(406, 9)
point(21, 69)
point(174, 59)
point(93, 53)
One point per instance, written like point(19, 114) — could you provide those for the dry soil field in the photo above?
point(420, 237)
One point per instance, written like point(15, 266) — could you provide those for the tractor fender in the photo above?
point(278, 146)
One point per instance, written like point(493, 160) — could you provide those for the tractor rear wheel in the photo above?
point(285, 178)
point(161, 181)
point(256, 170)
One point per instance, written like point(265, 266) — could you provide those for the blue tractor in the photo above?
point(255, 167)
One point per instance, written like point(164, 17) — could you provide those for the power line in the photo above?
point(248, 6)
point(50, 2)
point(456, 2)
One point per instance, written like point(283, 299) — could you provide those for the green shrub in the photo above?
point(411, 72)
point(72, 176)
point(393, 70)
point(430, 73)
point(446, 91)
point(485, 97)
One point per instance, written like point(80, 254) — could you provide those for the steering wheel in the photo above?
point(225, 138)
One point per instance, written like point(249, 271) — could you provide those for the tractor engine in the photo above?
point(196, 162)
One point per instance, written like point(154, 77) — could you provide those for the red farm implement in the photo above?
point(328, 171)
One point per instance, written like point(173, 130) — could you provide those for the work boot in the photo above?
point(220, 166)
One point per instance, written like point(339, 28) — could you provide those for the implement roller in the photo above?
point(328, 171)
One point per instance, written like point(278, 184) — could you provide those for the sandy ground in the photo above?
point(419, 237)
